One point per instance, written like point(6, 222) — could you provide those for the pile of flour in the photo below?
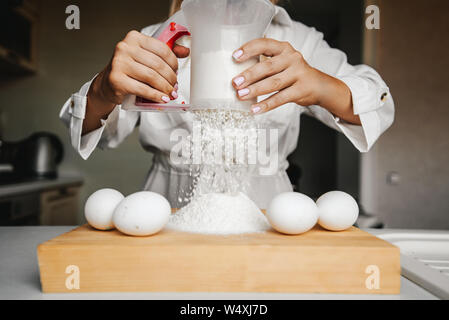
point(220, 214)
point(217, 200)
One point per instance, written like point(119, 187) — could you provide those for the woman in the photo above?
point(309, 78)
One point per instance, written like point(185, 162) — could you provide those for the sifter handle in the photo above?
point(172, 33)
point(169, 35)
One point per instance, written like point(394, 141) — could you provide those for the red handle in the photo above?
point(172, 33)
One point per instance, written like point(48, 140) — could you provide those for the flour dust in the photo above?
point(222, 166)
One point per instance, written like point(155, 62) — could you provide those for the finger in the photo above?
point(275, 101)
point(181, 52)
point(154, 62)
point(148, 76)
point(153, 45)
point(259, 71)
point(142, 90)
point(257, 47)
point(160, 49)
point(269, 85)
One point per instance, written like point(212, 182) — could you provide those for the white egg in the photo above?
point(292, 213)
point(338, 211)
point(142, 214)
point(100, 207)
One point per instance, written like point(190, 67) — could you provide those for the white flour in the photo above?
point(218, 204)
point(227, 137)
point(213, 68)
point(221, 214)
point(211, 81)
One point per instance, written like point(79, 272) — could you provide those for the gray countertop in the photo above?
point(19, 276)
point(39, 185)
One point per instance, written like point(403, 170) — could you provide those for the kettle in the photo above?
point(35, 157)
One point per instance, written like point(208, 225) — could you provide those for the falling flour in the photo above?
point(217, 200)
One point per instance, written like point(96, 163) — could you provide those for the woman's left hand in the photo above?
point(288, 74)
point(285, 72)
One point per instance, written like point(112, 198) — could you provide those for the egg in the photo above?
point(292, 213)
point(142, 214)
point(338, 211)
point(100, 206)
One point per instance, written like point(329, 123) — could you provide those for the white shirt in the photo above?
point(371, 100)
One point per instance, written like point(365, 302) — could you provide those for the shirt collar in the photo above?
point(281, 16)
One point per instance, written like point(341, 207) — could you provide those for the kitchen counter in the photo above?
point(19, 275)
point(39, 185)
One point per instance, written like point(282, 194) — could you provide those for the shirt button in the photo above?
point(72, 104)
point(383, 98)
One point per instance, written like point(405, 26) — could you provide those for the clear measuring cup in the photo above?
point(217, 28)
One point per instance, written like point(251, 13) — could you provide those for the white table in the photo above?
point(19, 276)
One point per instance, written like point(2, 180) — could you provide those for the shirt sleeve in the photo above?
point(371, 97)
point(112, 132)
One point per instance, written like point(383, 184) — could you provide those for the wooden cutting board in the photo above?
point(86, 260)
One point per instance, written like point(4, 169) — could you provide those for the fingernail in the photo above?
point(174, 94)
point(165, 99)
point(176, 87)
point(237, 54)
point(256, 109)
point(238, 81)
point(243, 92)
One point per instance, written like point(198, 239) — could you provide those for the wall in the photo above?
point(328, 159)
point(412, 56)
point(67, 59)
point(411, 52)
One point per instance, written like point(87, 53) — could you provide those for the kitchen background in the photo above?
point(403, 182)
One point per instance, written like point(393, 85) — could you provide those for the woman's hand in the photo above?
point(286, 72)
point(141, 66)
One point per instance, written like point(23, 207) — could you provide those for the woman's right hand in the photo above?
point(141, 66)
